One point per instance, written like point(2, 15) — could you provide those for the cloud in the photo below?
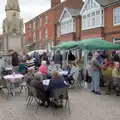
point(29, 9)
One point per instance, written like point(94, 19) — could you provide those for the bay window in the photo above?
point(68, 25)
point(116, 16)
point(92, 19)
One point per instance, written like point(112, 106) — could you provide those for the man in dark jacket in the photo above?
point(15, 59)
point(40, 90)
point(57, 58)
point(71, 57)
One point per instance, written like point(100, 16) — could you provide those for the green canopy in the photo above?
point(66, 45)
point(96, 44)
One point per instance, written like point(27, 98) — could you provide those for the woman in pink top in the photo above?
point(43, 69)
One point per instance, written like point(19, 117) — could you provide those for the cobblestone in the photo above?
point(84, 106)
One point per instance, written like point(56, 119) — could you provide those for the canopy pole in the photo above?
point(85, 64)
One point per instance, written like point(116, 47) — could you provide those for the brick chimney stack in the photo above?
point(55, 2)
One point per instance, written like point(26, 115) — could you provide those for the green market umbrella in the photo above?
point(66, 45)
point(96, 44)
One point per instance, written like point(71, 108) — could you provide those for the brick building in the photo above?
point(45, 29)
point(101, 19)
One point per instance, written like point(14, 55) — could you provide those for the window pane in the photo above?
point(98, 13)
point(93, 14)
point(98, 20)
point(117, 15)
point(84, 17)
point(88, 16)
point(93, 22)
point(88, 21)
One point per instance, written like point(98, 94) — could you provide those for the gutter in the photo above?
point(109, 5)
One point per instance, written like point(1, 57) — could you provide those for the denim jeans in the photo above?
point(95, 84)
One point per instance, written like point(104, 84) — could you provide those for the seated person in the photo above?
point(43, 69)
point(52, 67)
point(40, 90)
point(30, 62)
point(72, 74)
point(107, 77)
point(56, 82)
point(116, 78)
point(116, 73)
point(22, 69)
point(29, 76)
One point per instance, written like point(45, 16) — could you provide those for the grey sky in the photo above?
point(29, 9)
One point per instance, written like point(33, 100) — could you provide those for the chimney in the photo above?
point(55, 2)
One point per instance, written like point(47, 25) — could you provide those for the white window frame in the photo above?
point(68, 23)
point(46, 34)
point(40, 22)
point(116, 40)
point(115, 24)
point(46, 19)
point(40, 37)
point(90, 12)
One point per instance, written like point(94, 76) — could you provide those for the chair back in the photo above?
point(61, 93)
point(3, 83)
point(31, 91)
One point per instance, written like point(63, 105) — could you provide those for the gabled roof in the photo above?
point(71, 12)
point(105, 3)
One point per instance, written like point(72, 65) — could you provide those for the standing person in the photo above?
point(58, 59)
point(15, 59)
point(116, 57)
point(15, 62)
point(95, 84)
point(71, 57)
point(36, 59)
point(45, 57)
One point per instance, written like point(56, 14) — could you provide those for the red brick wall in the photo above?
point(55, 2)
point(110, 30)
point(67, 37)
point(92, 33)
point(53, 17)
point(78, 28)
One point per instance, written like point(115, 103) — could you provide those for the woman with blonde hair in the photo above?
point(56, 82)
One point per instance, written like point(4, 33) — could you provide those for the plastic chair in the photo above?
point(59, 96)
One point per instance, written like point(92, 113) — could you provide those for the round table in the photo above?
point(13, 78)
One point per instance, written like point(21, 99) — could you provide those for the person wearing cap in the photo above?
point(95, 84)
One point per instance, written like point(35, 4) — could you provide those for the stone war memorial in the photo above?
point(13, 27)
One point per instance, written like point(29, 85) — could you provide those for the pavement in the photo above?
point(84, 106)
